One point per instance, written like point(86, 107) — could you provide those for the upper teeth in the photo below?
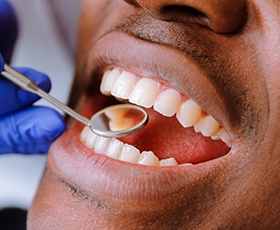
point(167, 101)
point(148, 93)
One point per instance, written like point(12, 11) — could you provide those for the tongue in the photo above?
point(167, 138)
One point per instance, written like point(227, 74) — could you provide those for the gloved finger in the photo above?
point(13, 98)
point(31, 130)
point(8, 28)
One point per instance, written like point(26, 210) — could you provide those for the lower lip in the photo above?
point(102, 176)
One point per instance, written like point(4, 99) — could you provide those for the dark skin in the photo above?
point(225, 57)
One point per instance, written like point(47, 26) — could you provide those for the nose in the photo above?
point(221, 16)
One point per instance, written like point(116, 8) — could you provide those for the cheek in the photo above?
point(93, 23)
point(94, 15)
point(98, 17)
point(90, 21)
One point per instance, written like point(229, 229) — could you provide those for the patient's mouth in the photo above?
point(198, 137)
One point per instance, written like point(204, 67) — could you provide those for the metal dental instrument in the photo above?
point(113, 121)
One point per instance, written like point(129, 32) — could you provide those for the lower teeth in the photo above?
point(116, 149)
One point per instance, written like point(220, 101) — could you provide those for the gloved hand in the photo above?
point(25, 128)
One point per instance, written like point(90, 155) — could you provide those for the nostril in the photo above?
point(223, 16)
point(182, 10)
point(181, 13)
point(221, 19)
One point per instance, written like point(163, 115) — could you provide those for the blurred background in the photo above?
point(46, 42)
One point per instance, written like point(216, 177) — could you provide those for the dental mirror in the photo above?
point(113, 121)
point(118, 120)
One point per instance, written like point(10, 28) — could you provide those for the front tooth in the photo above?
point(189, 114)
point(145, 93)
point(101, 144)
point(225, 137)
point(168, 162)
point(108, 81)
point(129, 154)
point(91, 139)
point(124, 85)
point(208, 126)
point(168, 102)
point(148, 158)
point(114, 148)
point(84, 133)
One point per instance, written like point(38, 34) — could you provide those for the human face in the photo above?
point(217, 58)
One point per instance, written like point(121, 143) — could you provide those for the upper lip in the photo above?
point(150, 60)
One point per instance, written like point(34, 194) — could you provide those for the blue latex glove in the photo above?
point(25, 128)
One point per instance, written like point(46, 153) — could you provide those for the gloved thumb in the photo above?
point(31, 130)
point(13, 98)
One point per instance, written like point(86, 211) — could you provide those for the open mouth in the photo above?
point(188, 133)
point(173, 116)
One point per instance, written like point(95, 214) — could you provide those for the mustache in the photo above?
point(194, 42)
point(176, 35)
